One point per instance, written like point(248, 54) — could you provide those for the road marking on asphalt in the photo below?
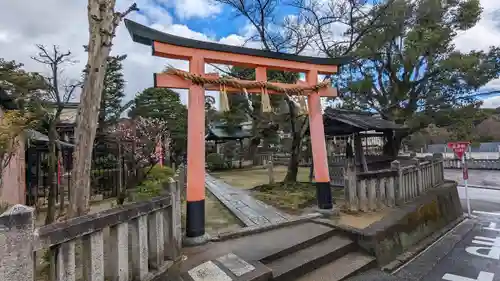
point(483, 276)
point(487, 213)
point(493, 227)
point(492, 252)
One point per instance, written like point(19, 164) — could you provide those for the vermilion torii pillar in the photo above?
point(198, 53)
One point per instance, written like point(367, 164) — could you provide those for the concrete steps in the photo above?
point(342, 268)
point(308, 251)
point(326, 257)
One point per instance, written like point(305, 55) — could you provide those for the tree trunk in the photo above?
point(293, 164)
point(60, 173)
point(102, 24)
point(298, 133)
point(51, 204)
point(392, 144)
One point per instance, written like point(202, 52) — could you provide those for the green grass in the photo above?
point(290, 197)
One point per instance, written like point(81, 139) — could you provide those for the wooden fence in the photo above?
point(390, 187)
point(138, 241)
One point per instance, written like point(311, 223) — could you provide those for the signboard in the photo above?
point(459, 148)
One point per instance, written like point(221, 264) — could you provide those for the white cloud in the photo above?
point(492, 102)
point(486, 33)
point(64, 23)
point(186, 9)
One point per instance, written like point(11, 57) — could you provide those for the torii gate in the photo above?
point(198, 53)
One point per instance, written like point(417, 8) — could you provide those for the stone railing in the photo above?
point(473, 164)
point(137, 241)
point(371, 191)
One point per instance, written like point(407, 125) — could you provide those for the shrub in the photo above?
point(215, 162)
point(154, 182)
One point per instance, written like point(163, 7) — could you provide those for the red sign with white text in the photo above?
point(459, 148)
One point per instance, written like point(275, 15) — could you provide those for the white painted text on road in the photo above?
point(492, 250)
point(483, 276)
point(493, 227)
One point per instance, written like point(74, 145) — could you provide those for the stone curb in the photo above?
point(262, 228)
point(416, 250)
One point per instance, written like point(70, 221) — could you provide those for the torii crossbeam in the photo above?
point(198, 53)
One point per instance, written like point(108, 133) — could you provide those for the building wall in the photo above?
point(12, 189)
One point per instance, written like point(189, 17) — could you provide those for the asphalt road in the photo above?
point(482, 200)
point(470, 252)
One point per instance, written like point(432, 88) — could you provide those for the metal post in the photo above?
point(464, 163)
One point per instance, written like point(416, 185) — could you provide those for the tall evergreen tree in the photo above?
point(164, 104)
point(113, 91)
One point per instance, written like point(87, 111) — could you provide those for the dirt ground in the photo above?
point(249, 178)
point(292, 200)
point(218, 218)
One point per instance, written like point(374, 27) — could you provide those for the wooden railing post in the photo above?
point(270, 170)
point(65, 269)
point(118, 247)
point(420, 183)
point(172, 224)
point(93, 256)
point(390, 192)
point(398, 182)
point(138, 247)
point(350, 185)
point(381, 192)
point(372, 194)
point(432, 172)
point(438, 167)
point(362, 194)
point(156, 239)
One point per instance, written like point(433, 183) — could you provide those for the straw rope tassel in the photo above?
point(224, 102)
point(266, 101)
point(303, 104)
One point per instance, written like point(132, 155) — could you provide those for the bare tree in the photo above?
point(290, 35)
point(103, 21)
point(48, 105)
point(339, 25)
point(330, 28)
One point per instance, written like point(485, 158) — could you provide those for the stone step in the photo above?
point(342, 268)
point(314, 238)
point(310, 258)
point(270, 245)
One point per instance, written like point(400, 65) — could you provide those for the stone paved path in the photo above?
point(250, 211)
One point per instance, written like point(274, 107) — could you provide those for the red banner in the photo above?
point(459, 148)
point(465, 172)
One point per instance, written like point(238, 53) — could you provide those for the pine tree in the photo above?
point(113, 91)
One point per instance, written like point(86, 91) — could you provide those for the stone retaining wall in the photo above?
point(409, 224)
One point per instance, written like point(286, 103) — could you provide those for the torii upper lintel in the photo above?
point(171, 46)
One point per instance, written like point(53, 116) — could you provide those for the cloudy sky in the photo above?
point(24, 23)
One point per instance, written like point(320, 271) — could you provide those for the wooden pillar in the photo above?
point(360, 152)
point(318, 146)
point(195, 213)
point(240, 156)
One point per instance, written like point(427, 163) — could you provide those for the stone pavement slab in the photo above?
point(250, 211)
